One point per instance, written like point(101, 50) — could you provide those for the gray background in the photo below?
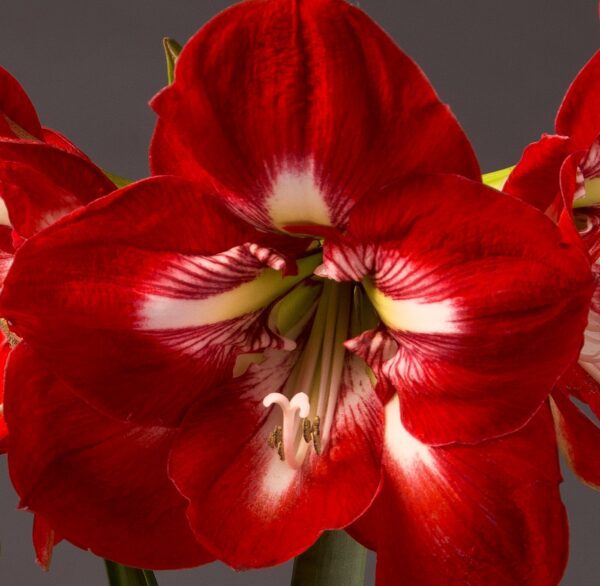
point(90, 68)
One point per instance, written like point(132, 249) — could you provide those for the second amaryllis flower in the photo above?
point(325, 317)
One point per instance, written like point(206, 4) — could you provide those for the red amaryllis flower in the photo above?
point(556, 174)
point(322, 318)
point(43, 178)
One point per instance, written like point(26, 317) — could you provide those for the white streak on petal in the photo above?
point(414, 315)
point(277, 480)
point(296, 198)
point(405, 449)
point(162, 312)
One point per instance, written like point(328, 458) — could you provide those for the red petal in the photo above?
point(4, 352)
point(483, 319)
point(33, 201)
point(485, 515)
point(579, 439)
point(16, 108)
point(300, 109)
point(536, 178)
point(114, 298)
point(55, 138)
point(44, 540)
point(577, 382)
point(72, 173)
point(579, 115)
point(102, 484)
point(246, 506)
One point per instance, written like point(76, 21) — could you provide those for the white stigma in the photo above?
point(293, 411)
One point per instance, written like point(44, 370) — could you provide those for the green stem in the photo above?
point(334, 560)
point(119, 575)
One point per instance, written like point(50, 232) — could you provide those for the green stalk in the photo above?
point(334, 560)
point(119, 575)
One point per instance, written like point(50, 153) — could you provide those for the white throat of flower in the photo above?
point(309, 398)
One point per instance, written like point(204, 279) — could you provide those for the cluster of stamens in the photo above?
point(307, 416)
point(311, 432)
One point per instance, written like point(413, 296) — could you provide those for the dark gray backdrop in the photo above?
point(90, 68)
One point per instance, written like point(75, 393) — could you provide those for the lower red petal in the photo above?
point(101, 483)
point(248, 507)
point(485, 515)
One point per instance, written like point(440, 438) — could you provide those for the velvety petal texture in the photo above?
point(151, 277)
point(478, 324)
point(247, 506)
point(298, 109)
point(98, 482)
point(486, 515)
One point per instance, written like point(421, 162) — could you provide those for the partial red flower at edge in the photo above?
point(192, 306)
point(44, 177)
point(39, 183)
point(557, 174)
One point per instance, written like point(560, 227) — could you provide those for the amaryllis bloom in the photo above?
point(43, 177)
point(560, 174)
point(316, 318)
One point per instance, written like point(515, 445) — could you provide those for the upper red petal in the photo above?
point(579, 114)
point(16, 108)
point(306, 101)
point(485, 318)
point(485, 515)
point(100, 483)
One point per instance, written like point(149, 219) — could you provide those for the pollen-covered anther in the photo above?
point(316, 435)
point(10, 336)
point(276, 437)
point(307, 429)
point(311, 431)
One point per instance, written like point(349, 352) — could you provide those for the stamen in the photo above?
point(318, 374)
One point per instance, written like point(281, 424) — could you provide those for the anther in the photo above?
point(276, 437)
point(316, 434)
point(307, 430)
point(10, 336)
